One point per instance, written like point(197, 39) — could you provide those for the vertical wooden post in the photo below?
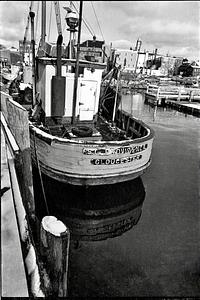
point(55, 239)
point(191, 94)
point(179, 94)
point(157, 95)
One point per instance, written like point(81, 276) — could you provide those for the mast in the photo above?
point(58, 82)
point(43, 24)
point(26, 32)
point(77, 64)
point(32, 15)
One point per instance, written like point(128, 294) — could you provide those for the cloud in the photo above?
point(12, 21)
point(123, 44)
point(166, 25)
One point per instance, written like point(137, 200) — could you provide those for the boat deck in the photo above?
point(125, 128)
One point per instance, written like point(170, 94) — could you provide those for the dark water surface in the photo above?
point(160, 255)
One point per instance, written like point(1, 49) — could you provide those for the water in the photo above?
point(160, 255)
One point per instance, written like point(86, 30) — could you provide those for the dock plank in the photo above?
point(13, 277)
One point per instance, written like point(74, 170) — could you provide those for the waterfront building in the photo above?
point(127, 59)
point(9, 56)
point(162, 65)
point(187, 69)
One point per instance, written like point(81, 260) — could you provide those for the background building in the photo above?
point(127, 59)
point(9, 56)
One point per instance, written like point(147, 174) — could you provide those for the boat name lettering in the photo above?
point(109, 151)
point(115, 161)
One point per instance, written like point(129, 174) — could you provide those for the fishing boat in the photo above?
point(78, 133)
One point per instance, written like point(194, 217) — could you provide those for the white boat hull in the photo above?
point(90, 163)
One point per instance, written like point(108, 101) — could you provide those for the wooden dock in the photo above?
point(22, 266)
point(159, 94)
point(13, 276)
point(185, 107)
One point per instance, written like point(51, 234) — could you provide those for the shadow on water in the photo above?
point(91, 213)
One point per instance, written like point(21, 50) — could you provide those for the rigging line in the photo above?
point(84, 21)
point(97, 20)
point(50, 22)
point(28, 19)
point(40, 175)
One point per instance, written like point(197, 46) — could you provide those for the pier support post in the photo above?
point(191, 95)
point(54, 248)
point(157, 95)
point(179, 94)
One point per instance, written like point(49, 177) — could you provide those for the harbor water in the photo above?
point(157, 254)
point(160, 255)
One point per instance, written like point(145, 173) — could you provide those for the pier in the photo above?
point(14, 283)
point(25, 271)
point(185, 107)
point(158, 95)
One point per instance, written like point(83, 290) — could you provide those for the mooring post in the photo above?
point(147, 88)
point(54, 247)
point(179, 94)
point(157, 95)
point(191, 94)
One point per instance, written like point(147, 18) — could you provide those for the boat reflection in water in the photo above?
point(91, 213)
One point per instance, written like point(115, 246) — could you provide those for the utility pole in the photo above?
point(77, 64)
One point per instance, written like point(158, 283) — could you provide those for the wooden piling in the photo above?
point(157, 94)
point(55, 239)
point(191, 94)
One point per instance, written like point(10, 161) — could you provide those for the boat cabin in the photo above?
point(88, 88)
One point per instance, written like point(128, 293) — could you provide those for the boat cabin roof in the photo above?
point(71, 62)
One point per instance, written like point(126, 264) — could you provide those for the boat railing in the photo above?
point(133, 128)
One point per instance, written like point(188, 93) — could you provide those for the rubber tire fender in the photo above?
point(82, 131)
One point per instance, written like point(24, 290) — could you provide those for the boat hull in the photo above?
point(90, 163)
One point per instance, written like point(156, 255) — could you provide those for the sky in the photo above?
point(173, 27)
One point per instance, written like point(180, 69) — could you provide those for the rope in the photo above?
point(50, 22)
point(40, 174)
point(84, 21)
point(97, 21)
